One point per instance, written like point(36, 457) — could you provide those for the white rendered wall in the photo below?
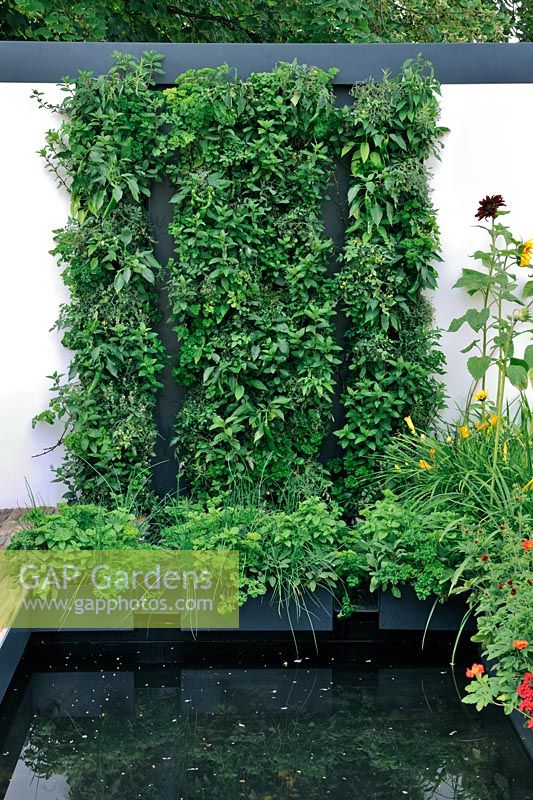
point(30, 294)
point(487, 151)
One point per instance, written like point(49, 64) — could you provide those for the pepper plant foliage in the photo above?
point(249, 291)
point(105, 153)
point(389, 260)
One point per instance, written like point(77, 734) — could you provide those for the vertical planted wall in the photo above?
point(105, 154)
point(391, 356)
point(251, 300)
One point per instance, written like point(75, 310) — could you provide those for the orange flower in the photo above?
point(520, 644)
point(527, 544)
point(475, 670)
point(464, 433)
point(493, 419)
point(480, 426)
point(423, 464)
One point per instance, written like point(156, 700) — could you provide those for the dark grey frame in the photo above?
point(48, 62)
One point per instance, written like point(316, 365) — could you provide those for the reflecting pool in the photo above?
point(293, 732)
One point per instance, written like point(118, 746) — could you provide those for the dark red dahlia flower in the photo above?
point(488, 207)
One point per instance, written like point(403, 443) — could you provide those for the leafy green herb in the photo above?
point(249, 292)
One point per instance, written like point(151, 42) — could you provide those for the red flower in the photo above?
point(513, 591)
point(526, 685)
point(520, 644)
point(484, 558)
point(488, 207)
point(530, 723)
point(475, 669)
point(527, 544)
point(525, 691)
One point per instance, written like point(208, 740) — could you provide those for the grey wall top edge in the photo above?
point(48, 62)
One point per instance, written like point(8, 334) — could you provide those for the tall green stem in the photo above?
point(503, 357)
point(486, 304)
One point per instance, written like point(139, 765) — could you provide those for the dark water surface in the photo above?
point(292, 732)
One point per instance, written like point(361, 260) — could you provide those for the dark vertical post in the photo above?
point(170, 397)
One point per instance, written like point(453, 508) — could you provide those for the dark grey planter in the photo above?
point(11, 650)
point(525, 734)
point(264, 614)
point(408, 613)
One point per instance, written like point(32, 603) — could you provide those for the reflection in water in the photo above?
point(258, 734)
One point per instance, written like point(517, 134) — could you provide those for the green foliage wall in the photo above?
point(249, 291)
point(106, 153)
point(389, 260)
point(251, 300)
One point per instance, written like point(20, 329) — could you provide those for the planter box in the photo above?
point(263, 614)
point(408, 613)
point(525, 734)
point(13, 642)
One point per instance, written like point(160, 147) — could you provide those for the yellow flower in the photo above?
point(480, 426)
point(423, 464)
point(464, 433)
point(481, 395)
point(526, 253)
point(409, 422)
point(493, 419)
point(397, 468)
point(422, 437)
point(529, 485)
point(449, 440)
point(432, 452)
point(505, 451)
